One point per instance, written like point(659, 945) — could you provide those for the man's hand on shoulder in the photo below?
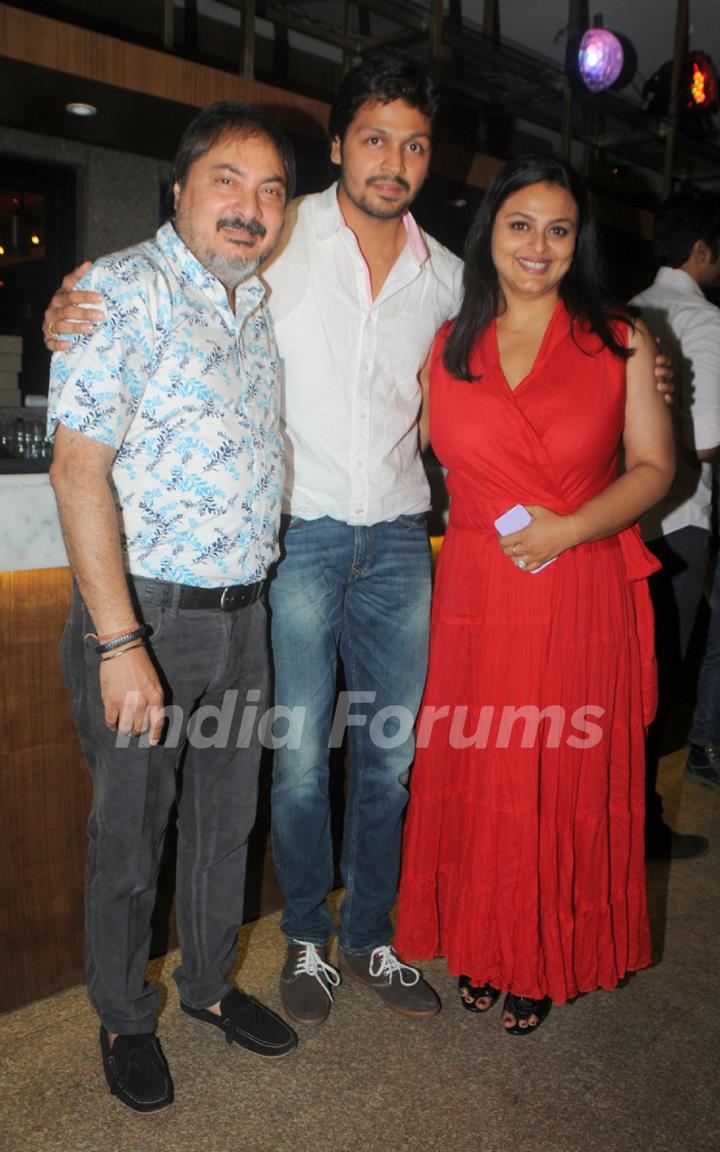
point(665, 377)
point(65, 314)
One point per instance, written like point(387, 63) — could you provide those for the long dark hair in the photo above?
point(581, 290)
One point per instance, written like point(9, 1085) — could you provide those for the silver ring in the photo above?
point(521, 564)
point(51, 331)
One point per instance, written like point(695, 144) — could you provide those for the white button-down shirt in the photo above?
point(351, 392)
point(675, 309)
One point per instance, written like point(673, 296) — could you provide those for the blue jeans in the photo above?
point(706, 721)
point(362, 593)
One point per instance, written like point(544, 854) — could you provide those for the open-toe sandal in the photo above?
point(522, 1008)
point(478, 992)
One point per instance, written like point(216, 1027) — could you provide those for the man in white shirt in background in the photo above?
point(687, 246)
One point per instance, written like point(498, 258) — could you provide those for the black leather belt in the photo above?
point(163, 594)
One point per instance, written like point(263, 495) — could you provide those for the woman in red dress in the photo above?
point(523, 860)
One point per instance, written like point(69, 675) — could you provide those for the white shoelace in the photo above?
point(311, 963)
point(384, 962)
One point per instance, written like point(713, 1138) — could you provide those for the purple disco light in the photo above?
point(600, 59)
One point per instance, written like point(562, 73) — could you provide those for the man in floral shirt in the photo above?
point(168, 474)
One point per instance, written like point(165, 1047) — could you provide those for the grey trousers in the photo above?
point(217, 663)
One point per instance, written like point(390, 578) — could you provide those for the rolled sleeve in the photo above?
point(96, 387)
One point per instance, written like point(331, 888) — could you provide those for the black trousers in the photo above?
point(214, 668)
point(676, 592)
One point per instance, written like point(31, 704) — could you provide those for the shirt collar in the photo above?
point(330, 220)
point(682, 281)
point(248, 293)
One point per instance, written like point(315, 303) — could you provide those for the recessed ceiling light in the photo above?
point(76, 108)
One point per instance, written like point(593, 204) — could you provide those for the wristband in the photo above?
point(114, 635)
point(138, 633)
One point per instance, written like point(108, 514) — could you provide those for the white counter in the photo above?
point(30, 535)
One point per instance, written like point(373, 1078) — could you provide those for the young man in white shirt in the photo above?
point(357, 295)
point(687, 246)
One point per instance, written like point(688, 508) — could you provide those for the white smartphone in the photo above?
point(513, 520)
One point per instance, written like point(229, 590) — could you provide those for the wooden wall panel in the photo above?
point(44, 795)
point(63, 47)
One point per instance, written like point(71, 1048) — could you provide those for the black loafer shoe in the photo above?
point(137, 1072)
point(249, 1024)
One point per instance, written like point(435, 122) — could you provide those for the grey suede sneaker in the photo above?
point(401, 987)
point(306, 983)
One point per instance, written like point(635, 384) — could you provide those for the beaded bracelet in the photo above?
point(138, 633)
point(122, 651)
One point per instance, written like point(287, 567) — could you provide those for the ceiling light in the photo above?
point(600, 59)
point(699, 89)
point(77, 108)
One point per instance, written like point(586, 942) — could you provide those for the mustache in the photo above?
point(390, 179)
point(252, 227)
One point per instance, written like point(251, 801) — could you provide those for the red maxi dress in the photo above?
point(523, 858)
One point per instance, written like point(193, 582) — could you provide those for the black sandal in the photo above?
point(522, 1008)
point(478, 992)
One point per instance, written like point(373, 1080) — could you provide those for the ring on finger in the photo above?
point(51, 330)
point(522, 563)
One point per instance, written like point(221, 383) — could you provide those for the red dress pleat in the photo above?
point(523, 857)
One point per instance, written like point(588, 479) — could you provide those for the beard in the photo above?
point(230, 270)
point(379, 210)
